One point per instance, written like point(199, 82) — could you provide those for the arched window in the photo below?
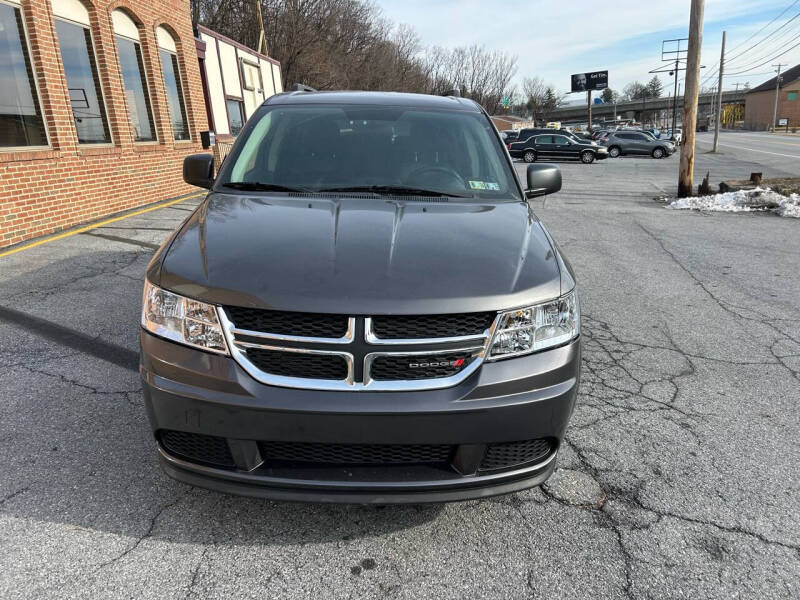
point(80, 70)
point(168, 52)
point(131, 61)
point(21, 122)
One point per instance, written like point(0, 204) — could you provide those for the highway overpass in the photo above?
point(634, 109)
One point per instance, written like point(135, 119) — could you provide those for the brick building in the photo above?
point(760, 101)
point(100, 101)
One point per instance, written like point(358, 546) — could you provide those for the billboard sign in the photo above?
point(598, 80)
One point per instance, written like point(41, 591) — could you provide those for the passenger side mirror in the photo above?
point(543, 179)
point(198, 169)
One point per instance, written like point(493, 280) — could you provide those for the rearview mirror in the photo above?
point(198, 169)
point(543, 179)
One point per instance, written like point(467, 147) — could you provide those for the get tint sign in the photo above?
point(598, 80)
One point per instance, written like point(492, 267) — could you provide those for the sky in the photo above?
point(552, 40)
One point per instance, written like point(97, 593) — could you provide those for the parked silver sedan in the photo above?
point(636, 142)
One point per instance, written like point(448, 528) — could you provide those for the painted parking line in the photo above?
point(86, 228)
point(745, 148)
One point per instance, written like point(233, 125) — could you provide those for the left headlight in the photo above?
point(536, 328)
point(182, 319)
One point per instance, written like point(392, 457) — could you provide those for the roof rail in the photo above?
point(454, 92)
point(301, 87)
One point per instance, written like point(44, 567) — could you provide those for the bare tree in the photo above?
point(347, 44)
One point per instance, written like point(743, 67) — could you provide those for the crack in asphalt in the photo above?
point(730, 308)
point(14, 494)
point(153, 520)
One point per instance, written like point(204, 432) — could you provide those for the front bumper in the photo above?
point(526, 398)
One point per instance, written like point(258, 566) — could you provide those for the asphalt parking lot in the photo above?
point(680, 476)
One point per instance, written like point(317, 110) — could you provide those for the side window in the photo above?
point(21, 122)
point(560, 140)
point(544, 139)
point(131, 62)
point(236, 115)
point(80, 70)
point(168, 53)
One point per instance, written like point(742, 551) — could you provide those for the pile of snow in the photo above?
point(758, 199)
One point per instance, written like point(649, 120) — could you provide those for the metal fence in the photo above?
point(221, 151)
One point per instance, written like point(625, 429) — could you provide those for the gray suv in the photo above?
point(636, 142)
point(365, 308)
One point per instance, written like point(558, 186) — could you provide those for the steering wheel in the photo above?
point(452, 173)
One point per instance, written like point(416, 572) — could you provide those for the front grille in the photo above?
point(513, 454)
point(433, 366)
point(289, 323)
point(355, 454)
point(337, 352)
point(298, 364)
point(431, 326)
point(197, 447)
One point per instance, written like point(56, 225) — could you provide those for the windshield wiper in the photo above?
point(396, 190)
point(258, 186)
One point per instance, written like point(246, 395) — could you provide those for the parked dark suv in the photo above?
point(365, 308)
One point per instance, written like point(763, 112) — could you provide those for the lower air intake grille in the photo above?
point(354, 454)
point(431, 326)
point(297, 364)
point(197, 447)
point(405, 368)
point(513, 454)
point(288, 323)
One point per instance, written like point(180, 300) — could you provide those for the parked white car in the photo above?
point(677, 137)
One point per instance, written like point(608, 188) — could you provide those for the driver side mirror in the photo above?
point(198, 169)
point(543, 179)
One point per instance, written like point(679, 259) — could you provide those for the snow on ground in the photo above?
point(755, 200)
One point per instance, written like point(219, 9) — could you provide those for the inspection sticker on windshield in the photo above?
point(484, 185)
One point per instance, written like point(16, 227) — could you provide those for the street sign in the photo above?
point(783, 122)
point(597, 80)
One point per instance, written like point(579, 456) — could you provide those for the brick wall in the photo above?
point(759, 107)
point(45, 191)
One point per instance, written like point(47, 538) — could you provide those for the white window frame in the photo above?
point(49, 144)
point(100, 81)
point(157, 140)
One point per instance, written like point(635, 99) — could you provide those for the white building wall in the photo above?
point(215, 89)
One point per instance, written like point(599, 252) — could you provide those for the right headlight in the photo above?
point(536, 328)
point(183, 320)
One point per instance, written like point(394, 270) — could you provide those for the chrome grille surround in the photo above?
point(353, 351)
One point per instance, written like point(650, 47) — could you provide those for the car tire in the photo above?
point(587, 157)
point(614, 151)
point(529, 156)
point(658, 153)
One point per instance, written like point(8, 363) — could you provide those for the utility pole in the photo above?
point(777, 92)
point(262, 36)
point(718, 119)
point(589, 104)
point(675, 100)
point(685, 177)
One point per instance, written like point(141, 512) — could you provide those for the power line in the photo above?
point(783, 12)
point(775, 44)
point(715, 68)
point(769, 59)
point(765, 38)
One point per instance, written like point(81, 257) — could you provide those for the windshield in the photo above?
point(380, 149)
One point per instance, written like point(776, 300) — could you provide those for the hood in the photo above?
point(361, 255)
